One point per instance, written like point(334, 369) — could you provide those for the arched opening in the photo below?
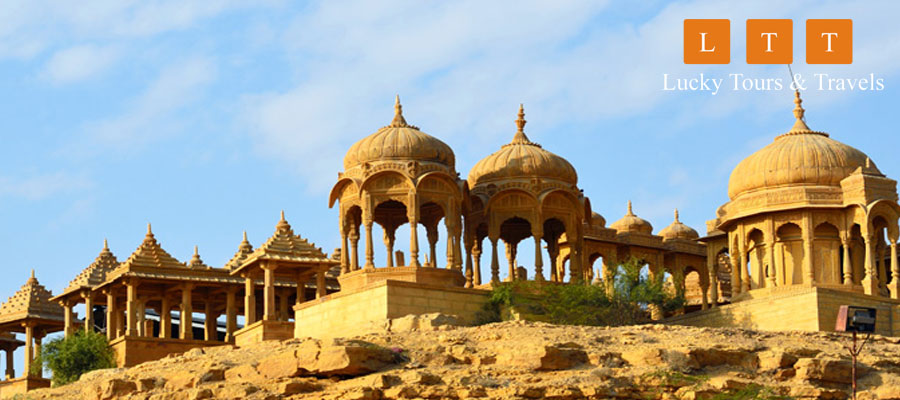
point(693, 288)
point(882, 249)
point(723, 276)
point(553, 230)
point(430, 216)
point(857, 254)
point(827, 258)
point(390, 215)
point(789, 255)
point(756, 259)
point(596, 269)
point(512, 231)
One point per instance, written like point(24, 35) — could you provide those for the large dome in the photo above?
point(522, 158)
point(399, 141)
point(801, 157)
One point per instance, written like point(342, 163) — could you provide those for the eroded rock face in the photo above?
point(513, 360)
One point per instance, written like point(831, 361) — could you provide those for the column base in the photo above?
point(11, 387)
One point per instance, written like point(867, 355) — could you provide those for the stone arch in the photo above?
point(338, 189)
point(789, 254)
point(757, 263)
point(827, 253)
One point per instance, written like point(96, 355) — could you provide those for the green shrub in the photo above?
point(70, 357)
point(633, 294)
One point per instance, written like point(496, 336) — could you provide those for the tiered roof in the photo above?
point(31, 302)
point(244, 250)
point(285, 246)
point(95, 273)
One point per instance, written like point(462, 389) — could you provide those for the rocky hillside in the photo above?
point(429, 357)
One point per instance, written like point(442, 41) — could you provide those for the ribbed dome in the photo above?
point(522, 158)
point(678, 230)
point(399, 141)
point(631, 223)
point(801, 157)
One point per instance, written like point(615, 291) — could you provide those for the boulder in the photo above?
point(282, 365)
point(352, 360)
point(243, 372)
point(712, 357)
point(772, 360)
point(543, 358)
point(116, 388)
point(644, 357)
point(830, 370)
point(297, 386)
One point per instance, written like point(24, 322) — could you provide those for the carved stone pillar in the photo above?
point(870, 281)
point(69, 327)
point(110, 314)
point(187, 312)
point(165, 317)
point(88, 311)
point(249, 300)
point(895, 271)
point(744, 268)
point(269, 313)
point(712, 268)
point(29, 349)
point(476, 261)
point(10, 364)
point(848, 264)
point(131, 308)
point(413, 239)
point(230, 313)
point(495, 263)
point(389, 244)
point(345, 258)
point(735, 272)
point(538, 258)
point(370, 247)
point(354, 247)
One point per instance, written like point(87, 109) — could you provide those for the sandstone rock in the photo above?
point(890, 392)
point(644, 357)
point(711, 357)
point(543, 358)
point(352, 360)
point(424, 322)
point(785, 374)
point(297, 386)
point(724, 383)
point(775, 359)
point(115, 388)
point(472, 392)
point(810, 392)
point(693, 393)
point(243, 372)
point(826, 370)
point(283, 365)
point(415, 377)
point(606, 359)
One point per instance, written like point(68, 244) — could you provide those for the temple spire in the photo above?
point(629, 209)
point(800, 124)
point(105, 245)
point(676, 216)
point(398, 121)
point(520, 137)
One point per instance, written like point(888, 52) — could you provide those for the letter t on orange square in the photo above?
point(770, 41)
point(829, 41)
point(707, 41)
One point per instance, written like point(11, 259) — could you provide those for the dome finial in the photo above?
point(245, 236)
point(629, 209)
point(398, 121)
point(149, 230)
point(520, 137)
point(676, 215)
point(800, 124)
point(105, 244)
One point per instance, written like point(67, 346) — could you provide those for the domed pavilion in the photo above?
point(808, 216)
point(395, 176)
point(521, 191)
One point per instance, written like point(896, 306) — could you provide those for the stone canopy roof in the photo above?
point(284, 246)
point(31, 302)
point(244, 250)
point(94, 274)
point(150, 254)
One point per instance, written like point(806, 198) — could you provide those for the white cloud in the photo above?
point(42, 186)
point(78, 62)
point(153, 113)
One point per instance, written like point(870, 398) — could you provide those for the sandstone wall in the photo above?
point(365, 310)
point(804, 309)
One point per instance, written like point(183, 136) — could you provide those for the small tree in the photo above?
point(633, 295)
point(70, 357)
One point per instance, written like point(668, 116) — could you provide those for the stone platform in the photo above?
point(133, 350)
point(365, 309)
point(800, 308)
point(263, 330)
point(438, 277)
point(18, 386)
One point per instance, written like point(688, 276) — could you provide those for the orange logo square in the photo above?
point(770, 41)
point(707, 41)
point(829, 41)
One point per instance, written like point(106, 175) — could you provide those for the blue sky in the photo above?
point(208, 118)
